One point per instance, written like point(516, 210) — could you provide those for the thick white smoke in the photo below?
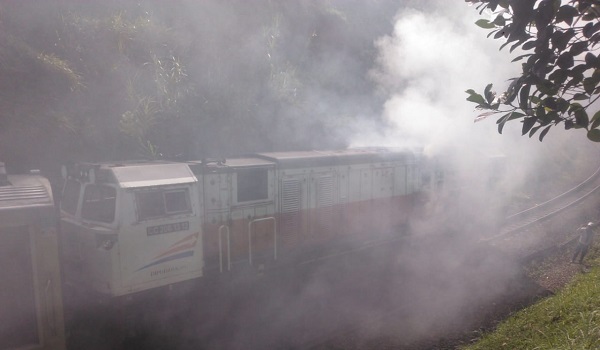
point(425, 66)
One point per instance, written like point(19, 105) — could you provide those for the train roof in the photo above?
point(25, 191)
point(305, 159)
point(131, 174)
point(237, 162)
point(153, 174)
point(337, 157)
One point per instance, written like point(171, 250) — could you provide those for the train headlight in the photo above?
point(108, 244)
point(106, 241)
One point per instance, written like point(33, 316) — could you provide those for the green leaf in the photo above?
point(546, 87)
point(501, 126)
point(475, 97)
point(581, 118)
point(518, 43)
point(529, 45)
point(544, 132)
point(595, 122)
point(498, 33)
point(591, 60)
point(485, 24)
point(528, 123)
point(515, 115)
point(589, 84)
point(524, 97)
point(502, 121)
point(590, 16)
point(559, 76)
point(566, 13)
point(594, 135)
point(489, 95)
point(540, 114)
point(561, 39)
point(544, 15)
point(580, 97)
point(590, 28)
point(579, 47)
point(579, 69)
point(499, 20)
point(577, 78)
point(569, 124)
point(565, 60)
point(562, 105)
point(534, 130)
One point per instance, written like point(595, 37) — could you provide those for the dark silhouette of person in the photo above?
point(586, 235)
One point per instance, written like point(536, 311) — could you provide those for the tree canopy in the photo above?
point(190, 79)
point(557, 44)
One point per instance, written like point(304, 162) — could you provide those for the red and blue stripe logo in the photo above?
point(178, 250)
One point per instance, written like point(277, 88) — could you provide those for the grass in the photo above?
point(570, 319)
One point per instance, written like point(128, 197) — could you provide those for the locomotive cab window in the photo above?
point(159, 203)
point(99, 203)
point(252, 184)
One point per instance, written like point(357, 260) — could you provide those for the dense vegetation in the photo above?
point(190, 79)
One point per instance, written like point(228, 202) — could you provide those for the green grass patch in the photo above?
point(569, 319)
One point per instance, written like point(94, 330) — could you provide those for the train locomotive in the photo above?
point(31, 304)
point(131, 227)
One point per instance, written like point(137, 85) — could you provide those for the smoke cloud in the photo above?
point(434, 54)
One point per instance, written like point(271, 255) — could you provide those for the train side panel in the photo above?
point(240, 227)
point(31, 294)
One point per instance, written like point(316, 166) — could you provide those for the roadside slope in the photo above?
point(569, 319)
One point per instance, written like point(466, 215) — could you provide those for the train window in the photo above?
point(70, 196)
point(176, 202)
point(158, 203)
point(252, 184)
point(99, 203)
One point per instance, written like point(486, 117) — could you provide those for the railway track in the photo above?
point(522, 220)
point(514, 224)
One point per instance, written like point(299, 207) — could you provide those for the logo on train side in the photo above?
point(178, 250)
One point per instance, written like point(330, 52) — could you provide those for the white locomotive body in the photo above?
point(134, 226)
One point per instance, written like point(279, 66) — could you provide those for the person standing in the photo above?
point(586, 235)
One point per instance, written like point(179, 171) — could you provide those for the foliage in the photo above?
point(128, 79)
point(558, 46)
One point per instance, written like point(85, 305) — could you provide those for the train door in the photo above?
point(382, 204)
point(365, 209)
point(221, 247)
point(343, 198)
point(323, 203)
point(160, 239)
point(293, 203)
point(253, 212)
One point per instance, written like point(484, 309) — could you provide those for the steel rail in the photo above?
point(524, 219)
